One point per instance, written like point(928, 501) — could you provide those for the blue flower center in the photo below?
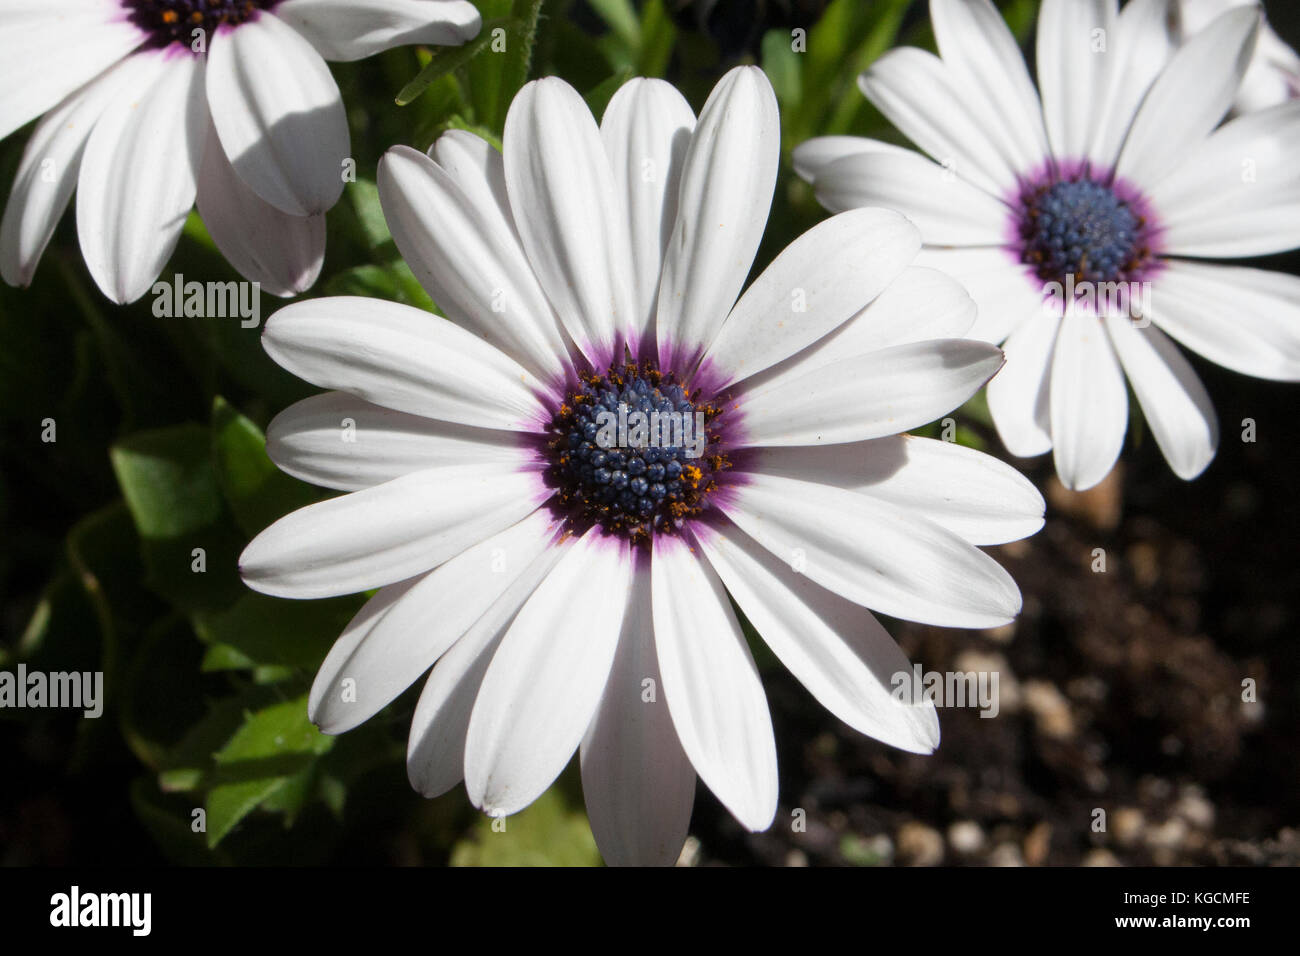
point(630, 451)
point(1081, 229)
point(170, 21)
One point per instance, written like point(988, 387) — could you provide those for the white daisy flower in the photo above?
point(1078, 212)
point(1274, 73)
point(150, 104)
point(571, 585)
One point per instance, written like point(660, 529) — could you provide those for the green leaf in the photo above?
point(364, 197)
point(657, 36)
point(783, 67)
point(547, 833)
point(161, 691)
point(598, 97)
point(494, 80)
point(189, 765)
point(189, 540)
point(171, 824)
point(447, 59)
point(261, 630)
point(258, 492)
point(262, 759)
point(620, 16)
point(395, 282)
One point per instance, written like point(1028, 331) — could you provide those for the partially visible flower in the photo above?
point(152, 104)
point(1274, 73)
point(1077, 220)
point(568, 577)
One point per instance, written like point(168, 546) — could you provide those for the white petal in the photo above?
point(869, 396)
point(875, 553)
point(547, 676)
point(1088, 400)
point(567, 211)
point(1273, 76)
point(1018, 394)
point(1247, 320)
point(284, 253)
point(823, 278)
point(48, 172)
point(387, 533)
point(428, 618)
point(279, 114)
point(947, 210)
point(638, 784)
point(49, 49)
point(355, 29)
point(356, 631)
point(712, 686)
point(919, 305)
point(972, 494)
point(479, 169)
point(1006, 292)
point(1137, 50)
point(435, 750)
point(466, 254)
point(726, 192)
point(983, 57)
point(339, 441)
point(404, 359)
point(1172, 397)
point(914, 90)
point(836, 649)
point(138, 175)
point(812, 156)
point(1237, 194)
point(646, 129)
point(1189, 98)
point(1072, 70)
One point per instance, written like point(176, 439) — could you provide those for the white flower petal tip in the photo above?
point(892, 559)
point(279, 115)
point(138, 176)
point(546, 678)
point(450, 218)
point(1089, 402)
point(387, 533)
point(1175, 403)
point(812, 157)
point(837, 650)
point(728, 179)
point(404, 359)
point(50, 165)
point(712, 685)
point(346, 30)
point(869, 396)
point(404, 636)
point(1189, 97)
point(567, 211)
point(974, 495)
point(638, 784)
point(820, 281)
point(281, 252)
point(646, 130)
